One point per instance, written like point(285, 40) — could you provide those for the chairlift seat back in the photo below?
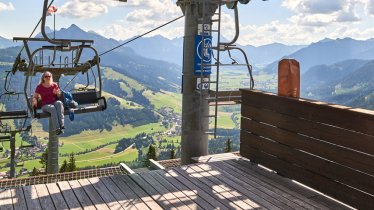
point(88, 101)
point(86, 97)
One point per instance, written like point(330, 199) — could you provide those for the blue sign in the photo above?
point(203, 55)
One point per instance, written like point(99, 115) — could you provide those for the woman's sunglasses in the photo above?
point(47, 76)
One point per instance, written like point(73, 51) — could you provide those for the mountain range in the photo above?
point(154, 74)
point(161, 48)
point(332, 70)
point(5, 43)
point(328, 51)
point(350, 82)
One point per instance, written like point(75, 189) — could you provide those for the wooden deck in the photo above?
point(217, 182)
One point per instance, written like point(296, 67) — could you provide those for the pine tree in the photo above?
point(71, 164)
point(44, 159)
point(172, 152)
point(64, 166)
point(228, 145)
point(34, 172)
point(150, 155)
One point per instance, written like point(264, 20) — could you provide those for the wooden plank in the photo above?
point(154, 165)
point(144, 196)
point(329, 187)
point(44, 198)
point(352, 159)
point(19, 201)
point(200, 190)
point(56, 196)
point(126, 168)
point(334, 135)
point(161, 199)
point(310, 162)
point(104, 193)
point(81, 195)
point(31, 197)
point(344, 117)
point(184, 189)
point(130, 190)
point(286, 185)
point(186, 200)
point(261, 185)
point(257, 199)
point(215, 157)
point(247, 173)
point(122, 199)
point(68, 195)
point(257, 187)
point(6, 200)
point(93, 195)
point(140, 199)
point(235, 199)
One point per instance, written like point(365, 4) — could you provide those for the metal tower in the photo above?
point(198, 94)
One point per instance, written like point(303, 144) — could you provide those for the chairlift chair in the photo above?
point(11, 114)
point(89, 100)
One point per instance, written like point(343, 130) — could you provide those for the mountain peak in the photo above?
point(326, 40)
point(48, 30)
point(75, 27)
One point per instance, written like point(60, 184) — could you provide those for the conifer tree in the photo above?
point(228, 145)
point(34, 172)
point(64, 166)
point(172, 152)
point(71, 166)
point(150, 155)
point(44, 160)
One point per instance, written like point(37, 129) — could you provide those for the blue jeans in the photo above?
point(57, 114)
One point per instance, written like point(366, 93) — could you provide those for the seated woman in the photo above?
point(49, 92)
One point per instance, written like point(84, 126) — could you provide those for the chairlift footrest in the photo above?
point(26, 146)
point(9, 115)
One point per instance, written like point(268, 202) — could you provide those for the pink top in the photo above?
point(48, 97)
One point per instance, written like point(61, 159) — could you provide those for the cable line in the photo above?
point(135, 38)
point(32, 33)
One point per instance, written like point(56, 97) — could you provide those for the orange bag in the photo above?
point(289, 78)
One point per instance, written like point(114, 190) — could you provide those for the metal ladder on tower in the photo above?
point(207, 30)
point(215, 96)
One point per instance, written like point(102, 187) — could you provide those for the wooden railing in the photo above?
point(327, 147)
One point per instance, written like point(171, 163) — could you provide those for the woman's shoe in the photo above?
point(59, 131)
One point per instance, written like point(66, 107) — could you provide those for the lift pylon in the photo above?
point(198, 90)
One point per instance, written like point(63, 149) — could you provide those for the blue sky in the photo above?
point(284, 21)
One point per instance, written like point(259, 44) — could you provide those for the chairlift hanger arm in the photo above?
point(247, 62)
point(44, 17)
point(60, 40)
point(33, 69)
point(236, 28)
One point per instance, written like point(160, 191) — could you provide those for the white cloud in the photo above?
point(347, 31)
point(314, 6)
point(83, 9)
point(125, 30)
point(319, 13)
point(144, 16)
point(370, 7)
point(313, 20)
point(279, 32)
point(6, 7)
